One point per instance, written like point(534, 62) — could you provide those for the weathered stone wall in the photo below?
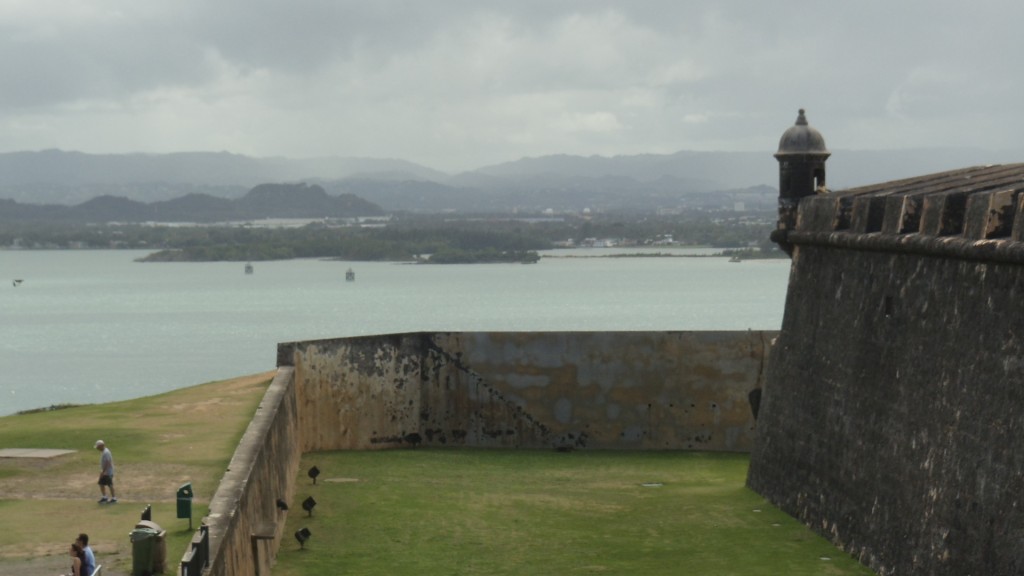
point(356, 393)
point(892, 414)
point(262, 470)
point(626, 390)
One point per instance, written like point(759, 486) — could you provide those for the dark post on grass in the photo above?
point(308, 504)
point(302, 534)
point(313, 473)
point(185, 495)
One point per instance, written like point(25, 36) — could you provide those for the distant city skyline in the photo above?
point(459, 84)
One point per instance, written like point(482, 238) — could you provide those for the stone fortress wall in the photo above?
point(892, 415)
point(543, 390)
point(893, 409)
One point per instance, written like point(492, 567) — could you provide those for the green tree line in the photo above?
point(442, 238)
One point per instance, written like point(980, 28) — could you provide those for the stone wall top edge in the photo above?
point(980, 202)
point(224, 517)
point(1002, 250)
point(977, 203)
point(941, 181)
point(342, 339)
point(230, 487)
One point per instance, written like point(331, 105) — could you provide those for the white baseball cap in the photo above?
point(98, 444)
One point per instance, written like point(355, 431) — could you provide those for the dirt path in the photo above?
point(50, 566)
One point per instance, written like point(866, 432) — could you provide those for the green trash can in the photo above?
point(143, 544)
point(159, 564)
point(185, 501)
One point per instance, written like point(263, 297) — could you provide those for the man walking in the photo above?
point(106, 473)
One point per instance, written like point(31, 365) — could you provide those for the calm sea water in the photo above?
point(96, 326)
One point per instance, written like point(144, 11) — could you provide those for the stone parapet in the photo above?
point(262, 470)
point(974, 213)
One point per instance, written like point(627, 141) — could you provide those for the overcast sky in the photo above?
point(456, 85)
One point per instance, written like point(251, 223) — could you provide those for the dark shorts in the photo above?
point(106, 480)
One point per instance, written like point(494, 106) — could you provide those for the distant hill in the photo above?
point(707, 171)
point(60, 177)
point(263, 201)
point(557, 182)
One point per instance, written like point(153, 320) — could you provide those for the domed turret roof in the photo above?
point(801, 138)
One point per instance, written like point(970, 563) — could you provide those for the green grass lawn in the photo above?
point(510, 512)
point(396, 512)
point(159, 443)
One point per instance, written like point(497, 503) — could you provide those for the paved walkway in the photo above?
point(33, 452)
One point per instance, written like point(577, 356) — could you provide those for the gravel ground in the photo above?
point(45, 566)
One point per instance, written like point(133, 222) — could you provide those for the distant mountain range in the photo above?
point(264, 201)
point(558, 182)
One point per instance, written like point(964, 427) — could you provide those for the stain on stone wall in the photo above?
point(358, 392)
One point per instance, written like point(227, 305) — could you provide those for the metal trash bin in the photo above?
point(159, 563)
point(143, 546)
point(185, 495)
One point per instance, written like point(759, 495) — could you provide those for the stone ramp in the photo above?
point(33, 452)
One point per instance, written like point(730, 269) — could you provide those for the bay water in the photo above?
point(97, 326)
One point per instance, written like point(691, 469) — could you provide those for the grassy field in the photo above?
point(159, 443)
point(493, 512)
point(395, 512)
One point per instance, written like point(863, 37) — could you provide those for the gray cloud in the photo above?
point(456, 84)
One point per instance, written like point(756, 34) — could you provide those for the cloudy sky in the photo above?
point(458, 84)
